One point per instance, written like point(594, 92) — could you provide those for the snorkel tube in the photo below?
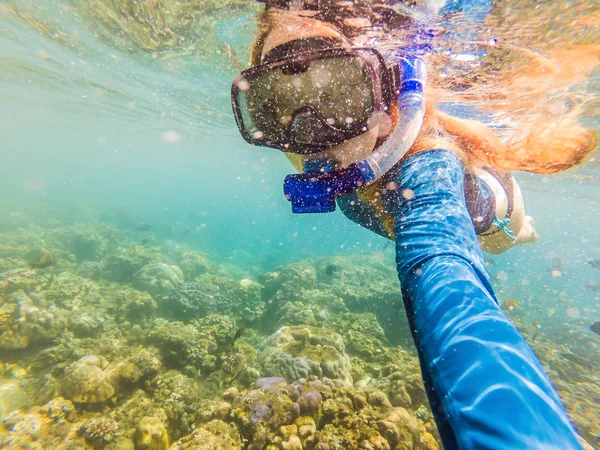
point(317, 188)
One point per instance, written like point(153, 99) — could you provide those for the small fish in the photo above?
point(143, 227)
point(595, 327)
point(46, 260)
point(510, 304)
point(239, 333)
point(145, 241)
point(388, 244)
point(595, 263)
point(234, 365)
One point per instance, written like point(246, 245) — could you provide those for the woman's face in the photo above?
point(288, 26)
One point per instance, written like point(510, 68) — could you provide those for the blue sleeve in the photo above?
point(472, 9)
point(486, 387)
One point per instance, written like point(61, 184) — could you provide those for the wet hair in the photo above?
point(541, 143)
point(301, 46)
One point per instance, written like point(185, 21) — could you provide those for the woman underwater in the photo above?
point(362, 128)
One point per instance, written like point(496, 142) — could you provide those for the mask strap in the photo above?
point(299, 5)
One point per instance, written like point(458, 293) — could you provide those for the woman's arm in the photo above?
point(486, 387)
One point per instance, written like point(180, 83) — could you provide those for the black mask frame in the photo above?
point(384, 82)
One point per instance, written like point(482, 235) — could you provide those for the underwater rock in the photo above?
point(60, 410)
point(12, 397)
point(18, 279)
point(367, 284)
point(151, 434)
point(214, 435)
point(362, 333)
point(23, 320)
point(157, 279)
point(310, 402)
point(85, 381)
point(295, 314)
point(179, 398)
point(214, 294)
point(193, 263)
point(222, 411)
point(249, 376)
point(196, 345)
point(142, 365)
point(269, 383)
point(300, 351)
point(99, 432)
point(307, 429)
point(292, 279)
point(122, 266)
point(278, 418)
point(404, 388)
point(182, 345)
point(136, 405)
point(574, 371)
point(134, 306)
point(71, 291)
point(51, 426)
point(84, 324)
point(88, 244)
point(90, 269)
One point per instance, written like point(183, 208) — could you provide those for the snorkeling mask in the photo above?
point(311, 99)
point(308, 102)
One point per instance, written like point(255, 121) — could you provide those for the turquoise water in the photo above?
point(102, 130)
point(102, 117)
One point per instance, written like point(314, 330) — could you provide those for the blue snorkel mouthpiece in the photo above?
point(320, 185)
point(316, 191)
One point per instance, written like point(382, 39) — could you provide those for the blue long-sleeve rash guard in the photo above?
point(486, 387)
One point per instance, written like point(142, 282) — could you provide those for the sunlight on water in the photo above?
point(150, 264)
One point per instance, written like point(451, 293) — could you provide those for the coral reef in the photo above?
point(196, 345)
point(51, 426)
point(122, 266)
point(151, 434)
point(24, 319)
point(215, 294)
point(300, 351)
point(320, 413)
point(193, 263)
point(157, 279)
point(90, 269)
point(133, 306)
point(327, 287)
point(144, 364)
point(73, 291)
point(19, 279)
point(214, 435)
point(179, 398)
point(99, 432)
point(85, 381)
point(306, 357)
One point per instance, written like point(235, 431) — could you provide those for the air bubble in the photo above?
point(243, 85)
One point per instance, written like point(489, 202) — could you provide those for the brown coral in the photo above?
point(151, 434)
point(86, 382)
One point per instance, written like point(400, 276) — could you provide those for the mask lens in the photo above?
point(338, 88)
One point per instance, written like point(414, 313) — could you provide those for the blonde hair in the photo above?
point(541, 143)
